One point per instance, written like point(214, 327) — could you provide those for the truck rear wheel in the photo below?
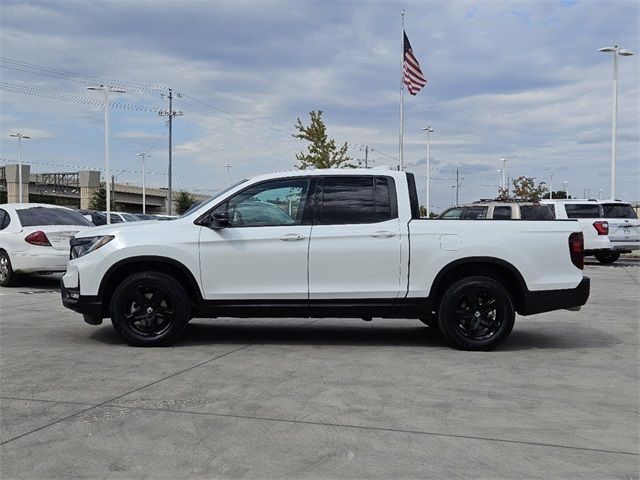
point(607, 258)
point(476, 313)
point(150, 309)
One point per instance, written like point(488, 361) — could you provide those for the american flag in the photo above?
point(413, 77)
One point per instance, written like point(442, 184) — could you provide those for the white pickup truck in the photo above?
point(343, 243)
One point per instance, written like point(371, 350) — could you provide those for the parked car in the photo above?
point(610, 227)
point(496, 210)
point(34, 238)
point(94, 216)
point(119, 217)
point(324, 243)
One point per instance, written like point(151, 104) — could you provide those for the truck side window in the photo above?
point(350, 200)
point(273, 203)
point(452, 214)
point(502, 212)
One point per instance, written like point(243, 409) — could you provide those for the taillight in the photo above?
point(38, 238)
point(601, 227)
point(576, 249)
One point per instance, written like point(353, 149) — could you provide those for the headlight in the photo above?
point(82, 246)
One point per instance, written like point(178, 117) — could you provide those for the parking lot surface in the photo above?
point(322, 398)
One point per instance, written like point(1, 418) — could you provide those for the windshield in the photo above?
point(618, 210)
point(211, 199)
point(38, 216)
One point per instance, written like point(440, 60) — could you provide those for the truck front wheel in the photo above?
point(150, 309)
point(476, 313)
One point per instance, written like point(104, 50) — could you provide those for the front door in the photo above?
point(262, 254)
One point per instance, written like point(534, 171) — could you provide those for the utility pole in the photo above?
point(550, 186)
point(170, 113)
point(366, 156)
point(457, 186)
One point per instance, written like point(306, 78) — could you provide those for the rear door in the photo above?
point(354, 251)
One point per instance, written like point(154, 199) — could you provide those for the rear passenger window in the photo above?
point(579, 210)
point(452, 214)
point(475, 213)
point(536, 212)
point(351, 200)
point(502, 213)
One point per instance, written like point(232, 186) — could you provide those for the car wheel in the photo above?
point(607, 258)
point(150, 309)
point(476, 313)
point(7, 275)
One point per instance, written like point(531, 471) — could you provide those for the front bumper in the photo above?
point(549, 300)
point(90, 307)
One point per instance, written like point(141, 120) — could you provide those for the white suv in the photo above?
point(610, 227)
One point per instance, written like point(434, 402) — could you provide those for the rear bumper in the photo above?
point(549, 300)
point(41, 259)
point(625, 245)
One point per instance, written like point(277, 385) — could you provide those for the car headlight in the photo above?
point(82, 246)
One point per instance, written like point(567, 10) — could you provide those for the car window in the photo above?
point(130, 218)
point(115, 218)
point(582, 210)
point(352, 200)
point(502, 212)
point(38, 216)
point(452, 214)
point(618, 210)
point(536, 212)
point(274, 203)
point(475, 213)
point(4, 219)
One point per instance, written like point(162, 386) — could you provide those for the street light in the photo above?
point(144, 203)
point(20, 136)
point(106, 89)
point(429, 130)
point(617, 51)
point(566, 189)
point(504, 173)
point(550, 186)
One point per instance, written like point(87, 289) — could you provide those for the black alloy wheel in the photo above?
point(476, 313)
point(150, 309)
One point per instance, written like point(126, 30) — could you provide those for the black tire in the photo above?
point(150, 309)
point(607, 258)
point(7, 275)
point(476, 313)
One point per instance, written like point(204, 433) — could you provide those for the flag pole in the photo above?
point(401, 143)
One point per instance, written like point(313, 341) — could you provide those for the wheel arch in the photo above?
point(491, 267)
point(128, 266)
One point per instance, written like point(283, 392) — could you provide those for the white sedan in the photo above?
point(34, 238)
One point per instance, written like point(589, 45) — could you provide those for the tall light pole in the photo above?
point(20, 136)
point(617, 51)
point(106, 89)
point(228, 166)
point(144, 197)
point(566, 189)
point(504, 173)
point(429, 130)
point(550, 186)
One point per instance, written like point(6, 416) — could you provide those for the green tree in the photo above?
point(524, 189)
point(183, 201)
point(99, 200)
point(322, 151)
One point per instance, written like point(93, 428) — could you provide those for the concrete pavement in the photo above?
point(326, 398)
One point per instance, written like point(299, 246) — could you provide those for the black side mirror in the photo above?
point(220, 220)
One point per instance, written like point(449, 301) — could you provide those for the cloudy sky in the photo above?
point(515, 79)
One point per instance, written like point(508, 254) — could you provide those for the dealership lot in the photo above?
point(328, 398)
